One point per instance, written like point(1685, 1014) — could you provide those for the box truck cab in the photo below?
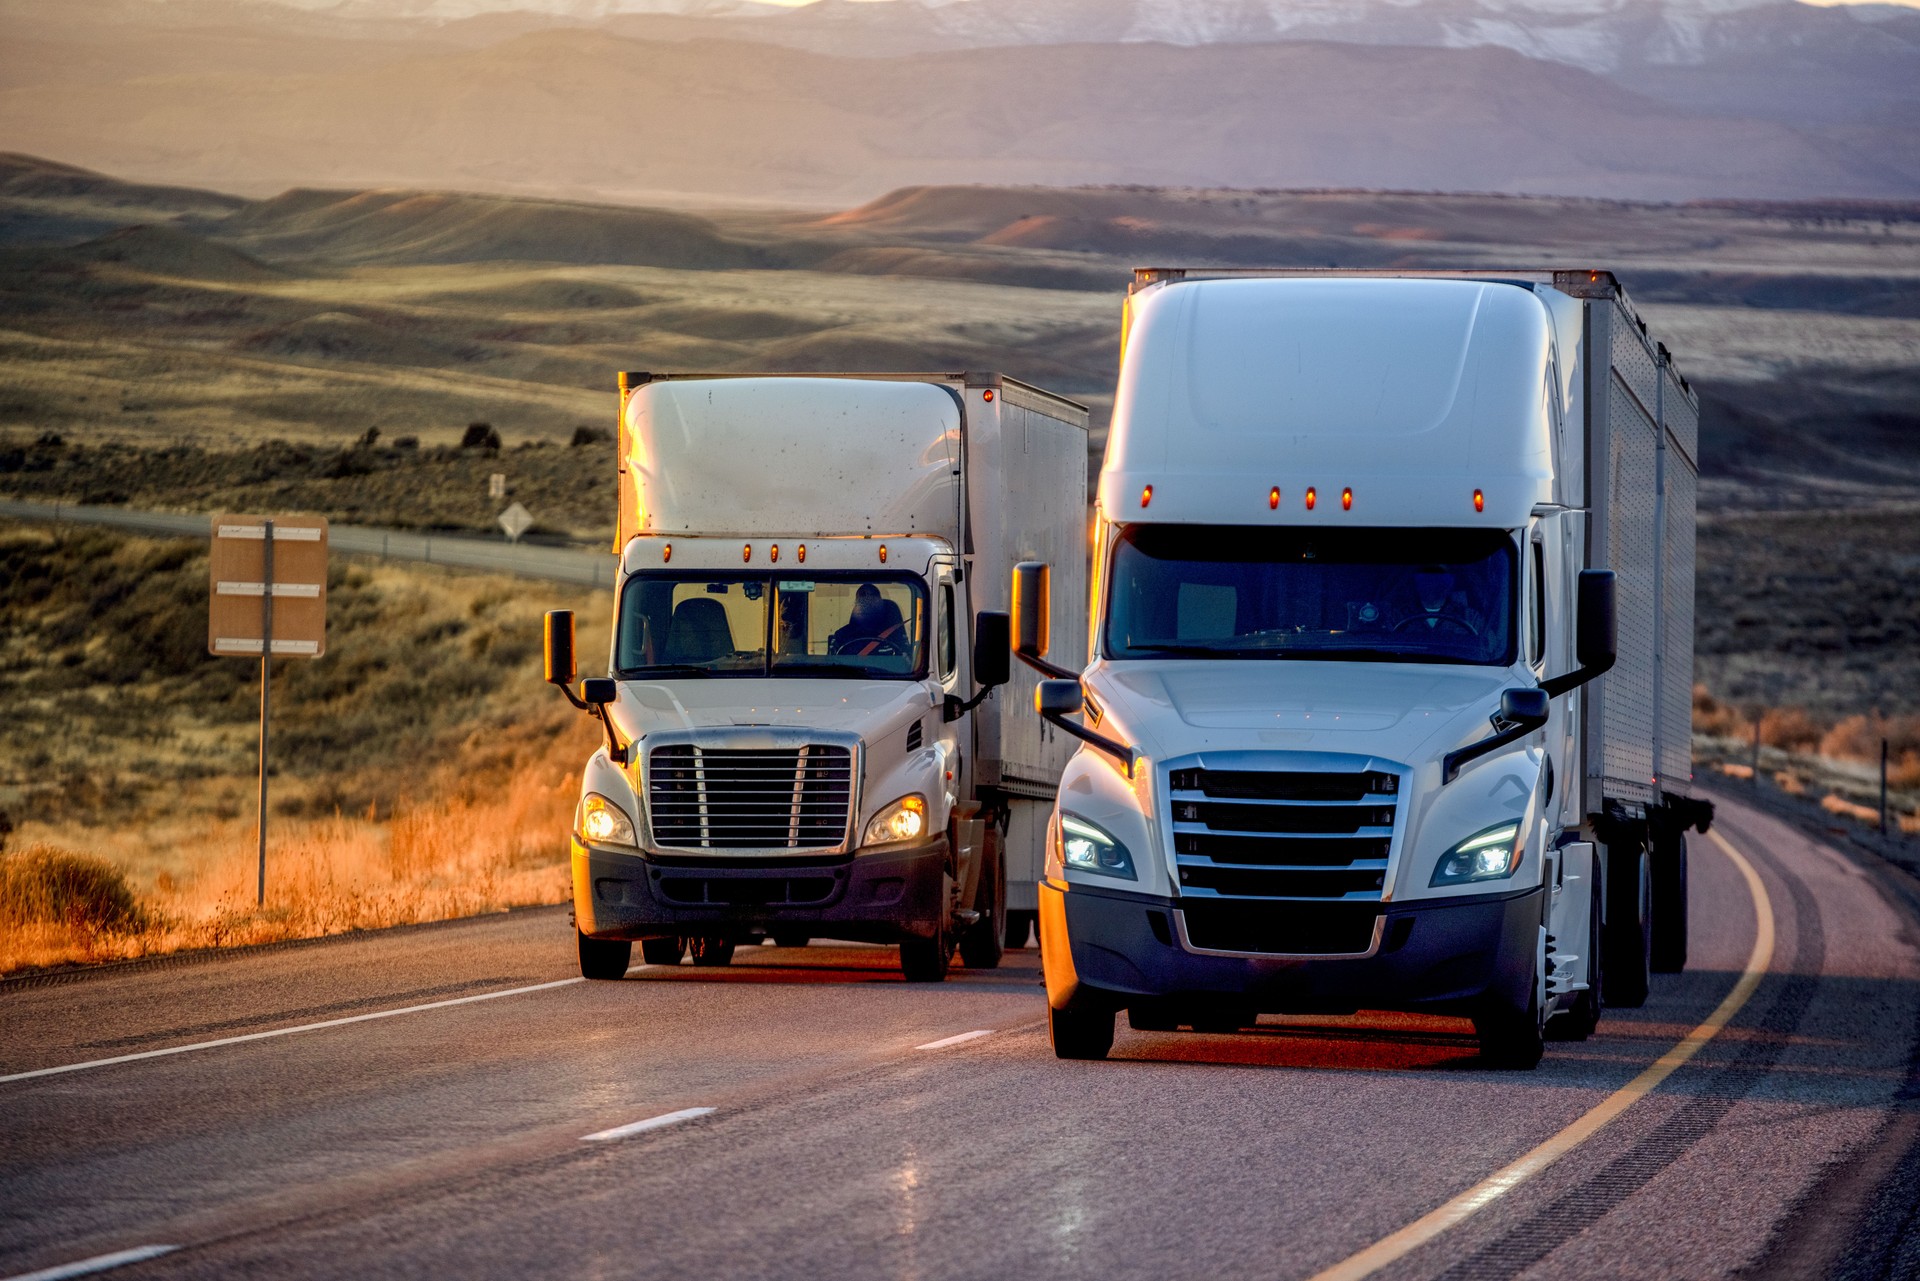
point(803, 734)
point(1354, 735)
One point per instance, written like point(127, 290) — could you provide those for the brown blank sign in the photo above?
point(235, 600)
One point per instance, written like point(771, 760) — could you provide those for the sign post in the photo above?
point(282, 560)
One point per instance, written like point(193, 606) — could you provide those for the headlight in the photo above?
point(903, 820)
point(601, 822)
point(1484, 856)
point(1090, 848)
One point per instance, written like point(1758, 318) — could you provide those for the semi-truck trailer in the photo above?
point(1390, 691)
point(800, 741)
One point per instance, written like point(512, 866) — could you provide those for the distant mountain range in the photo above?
point(839, 100)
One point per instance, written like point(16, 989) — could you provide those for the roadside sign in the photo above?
point(497, 485)
point(516, 520)
point(237, 615)
point(268, 597)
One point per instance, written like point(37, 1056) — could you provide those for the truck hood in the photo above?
point(868, 708)
point(1390, 710)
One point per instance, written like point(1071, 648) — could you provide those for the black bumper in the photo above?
point(1112, 950)
point(876, 898)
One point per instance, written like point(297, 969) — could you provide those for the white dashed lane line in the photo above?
point(944, 1042)
point(98, 1263)
point(651, 1123)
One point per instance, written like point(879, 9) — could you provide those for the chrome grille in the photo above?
point(1256, 834)
point(735, 799)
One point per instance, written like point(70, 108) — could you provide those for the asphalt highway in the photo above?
point(453, 1101)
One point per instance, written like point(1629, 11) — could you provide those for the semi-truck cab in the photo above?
point(1391, 660)
point(804, 734)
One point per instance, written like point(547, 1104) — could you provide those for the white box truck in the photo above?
point(1391, 647)
point(801, 741)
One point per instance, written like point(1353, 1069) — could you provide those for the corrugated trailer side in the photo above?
point(1642, 478)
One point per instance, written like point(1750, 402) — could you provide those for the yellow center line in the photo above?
point(1502, 1181)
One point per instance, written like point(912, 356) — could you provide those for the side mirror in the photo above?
point(598, 691)
point(992, 649)
point(1058, 698)
point(1031, 608)
point(1524, 706)
point(561, 668)
point(1596, 640)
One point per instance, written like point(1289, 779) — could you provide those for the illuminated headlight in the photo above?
point(903, 820)
point(1087, 847)
point(600, 822)
point(1484, 856)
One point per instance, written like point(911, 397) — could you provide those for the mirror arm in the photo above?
point(956, 707)
point(1127, 756)
point(1579, 676)
point(615, 753)
point(567, 689)
point(1049, 670)
point(1452, 763)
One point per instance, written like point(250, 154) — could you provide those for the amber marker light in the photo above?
point(1273, 499)
point(802, 553)
point(1346, 499)
point(987, 395)
point(1146, 495)
point(883, 553)
point(773, 553)
point(1313, 496)
point(1479, 501)
point(746, 551)
point(666, 553)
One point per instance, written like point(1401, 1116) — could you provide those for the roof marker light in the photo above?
point(802, 553)
point(1146, 495)
point(1479, 501)
point(987, 395)
point(774, 554)
point(1346, 499)
point(883, 553)
point(666, 553)
point(1273, 499)
point(746, 551)
point(1313, 496)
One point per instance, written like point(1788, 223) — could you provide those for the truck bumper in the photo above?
point(1103, 949)
point(875, 898)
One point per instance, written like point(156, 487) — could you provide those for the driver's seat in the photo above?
point(699, 632)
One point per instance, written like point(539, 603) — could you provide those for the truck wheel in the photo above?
point(927, 960)
point(603, 958)
point(1628, 935)
point(981, 947)
point(1019, 928)
point(1080, 1034)
point(1577, 1021)
point(791, 938)
point(1510, 1039)
point(1669, 868)
point(666, 951)
point(1152, 1016)
point(711, 949)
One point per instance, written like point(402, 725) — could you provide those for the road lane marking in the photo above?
point(98, 1263)
point(1496, 1185)
point(944, 1042)
point(284, 1031)
point(651, 1123)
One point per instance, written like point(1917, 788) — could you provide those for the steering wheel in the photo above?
point(1451, 620)
point(890, 644)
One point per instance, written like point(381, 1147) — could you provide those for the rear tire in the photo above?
point(927, 960)
point(604, 959)
point(981, 946)
point(1670, 905)
point(1080, 1034)
point(666, 951)
point(711, 949)
point(791, 938)
point(1019, 928)
point(1628, 935)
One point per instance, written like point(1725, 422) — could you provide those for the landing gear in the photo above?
point(666, 951)
point(1080, 1034)
point(603, 958)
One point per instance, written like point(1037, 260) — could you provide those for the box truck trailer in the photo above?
point(1390, 691)
point(804, 731)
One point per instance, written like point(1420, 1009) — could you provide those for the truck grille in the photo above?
point(1254, 834)
point(734, 799)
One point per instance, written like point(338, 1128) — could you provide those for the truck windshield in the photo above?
point(1365, 595)
point(706, 623)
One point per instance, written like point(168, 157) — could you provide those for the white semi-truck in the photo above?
point(1390, 690)
point(803, 734)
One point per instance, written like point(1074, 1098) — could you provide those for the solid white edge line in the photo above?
point(98, 1263)
point(651, 1123)
point(284, 1031)
point(944, 1042)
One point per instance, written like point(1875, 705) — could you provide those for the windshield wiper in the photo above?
point(664, 669)
point(831, 669)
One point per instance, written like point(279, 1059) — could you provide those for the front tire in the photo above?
point(1080, 1034)
point(603, 959)
point(1669, 868)
point(1628, 934)
point(927, 960)
point(791, 938)
point(666, 951)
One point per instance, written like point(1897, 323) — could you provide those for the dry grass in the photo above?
point(421, 769)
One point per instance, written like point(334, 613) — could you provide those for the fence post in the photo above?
point(1883, 787)
point(1756, 751)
